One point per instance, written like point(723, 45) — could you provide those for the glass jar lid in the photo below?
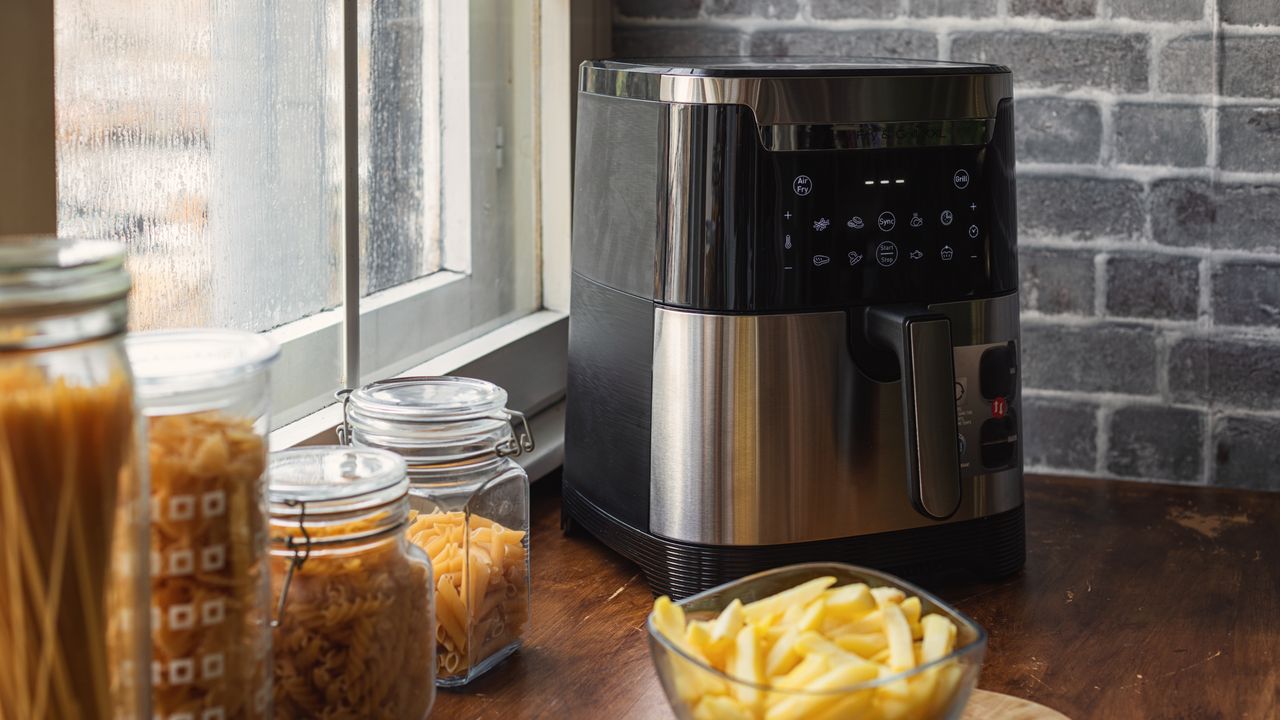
point(435, 420)
point(39, 274)
point(323, 481)
point(190, 370)
point(428, 399)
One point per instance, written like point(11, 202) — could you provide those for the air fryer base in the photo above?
point(991, 547)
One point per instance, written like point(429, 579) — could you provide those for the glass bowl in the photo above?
point(687, 679)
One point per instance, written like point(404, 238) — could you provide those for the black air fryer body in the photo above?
point(795, 317)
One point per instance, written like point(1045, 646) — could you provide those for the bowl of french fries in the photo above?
point(819, 641)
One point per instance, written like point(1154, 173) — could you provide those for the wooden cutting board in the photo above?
point(986, 705)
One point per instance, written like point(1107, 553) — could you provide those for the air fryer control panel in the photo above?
point(916, 212)
point(876, 226)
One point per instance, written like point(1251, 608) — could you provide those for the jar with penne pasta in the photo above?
point(73, 530)
point(354, 632)
point(205, 396)
point(469, 507)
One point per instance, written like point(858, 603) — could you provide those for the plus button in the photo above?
point(787, 214)
point(973, 206)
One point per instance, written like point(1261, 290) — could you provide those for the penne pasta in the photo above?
point(481, 587)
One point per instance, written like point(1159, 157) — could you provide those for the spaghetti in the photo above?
point(65, 460)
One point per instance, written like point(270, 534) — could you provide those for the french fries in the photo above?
point(796, 653)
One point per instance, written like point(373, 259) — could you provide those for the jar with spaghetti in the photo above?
point(353, 633)
point(73, 526)
point(204, 394)
point(470, 507)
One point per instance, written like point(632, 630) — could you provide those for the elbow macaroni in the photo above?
point(815, 639)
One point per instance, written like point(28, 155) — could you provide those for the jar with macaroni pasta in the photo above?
point(74, 639)
point(469, 505)
point(204, 394)
point(354, 631)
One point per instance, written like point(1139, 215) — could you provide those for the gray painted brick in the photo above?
point(1170, 10)
point(1080, 208)
point(658, 8)
point(1247, 452)
point(1059, 434)
point(1249, 12)
point(675, 42)
point(1150, 134)
point(1057, 9)
point(1056, 281)
point(1249, 66)
point(754, 8)
point(1058, 130)
point(890, 43)
point(1249, 138)
point(1247, 292)
point(1226, 371)
point(1186, 64)
point(1163, 443)
point(1115, 61)
point(1148, 285)
point(1094, 357)
point(952, 8)
point(1197, 213)
point(866, 9)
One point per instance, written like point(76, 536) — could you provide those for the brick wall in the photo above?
point(1148, 203)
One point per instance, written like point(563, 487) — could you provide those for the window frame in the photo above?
point(526, 353)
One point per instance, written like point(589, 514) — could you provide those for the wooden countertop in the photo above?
point(1137, 601)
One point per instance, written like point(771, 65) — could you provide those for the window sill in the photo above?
point(527, 357)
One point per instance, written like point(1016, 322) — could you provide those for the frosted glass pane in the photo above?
point(207, 137)
point(399, 142)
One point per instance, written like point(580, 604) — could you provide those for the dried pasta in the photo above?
point(66, 468)
point(355, 636)
point(482, 602)
point(210, 589)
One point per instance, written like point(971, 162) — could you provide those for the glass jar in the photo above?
point(205, 396)
point(354, 632)
point(469, 507)
point(74, 635)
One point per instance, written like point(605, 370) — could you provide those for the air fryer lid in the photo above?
point(809, 90)
point(795, 67)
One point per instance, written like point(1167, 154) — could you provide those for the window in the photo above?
point(211, 138)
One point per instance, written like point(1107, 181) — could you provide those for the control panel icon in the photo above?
point(802, 185)
point(961, 178)
point(786, 242)
point(820, 260)
point(821, 224)
point(947, 253)
point(887, 221)
point(916, 254)
point(855, 223)
point(916, 220)
point(973, 231)
point(886, 253)
point(855, 257)
point(946, 217)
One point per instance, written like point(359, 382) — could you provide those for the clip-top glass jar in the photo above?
point(74, 639)
point(470, 506)
point(205, 395)
point(354, 633)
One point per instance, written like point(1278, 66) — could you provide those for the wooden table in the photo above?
point(1138, 601)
